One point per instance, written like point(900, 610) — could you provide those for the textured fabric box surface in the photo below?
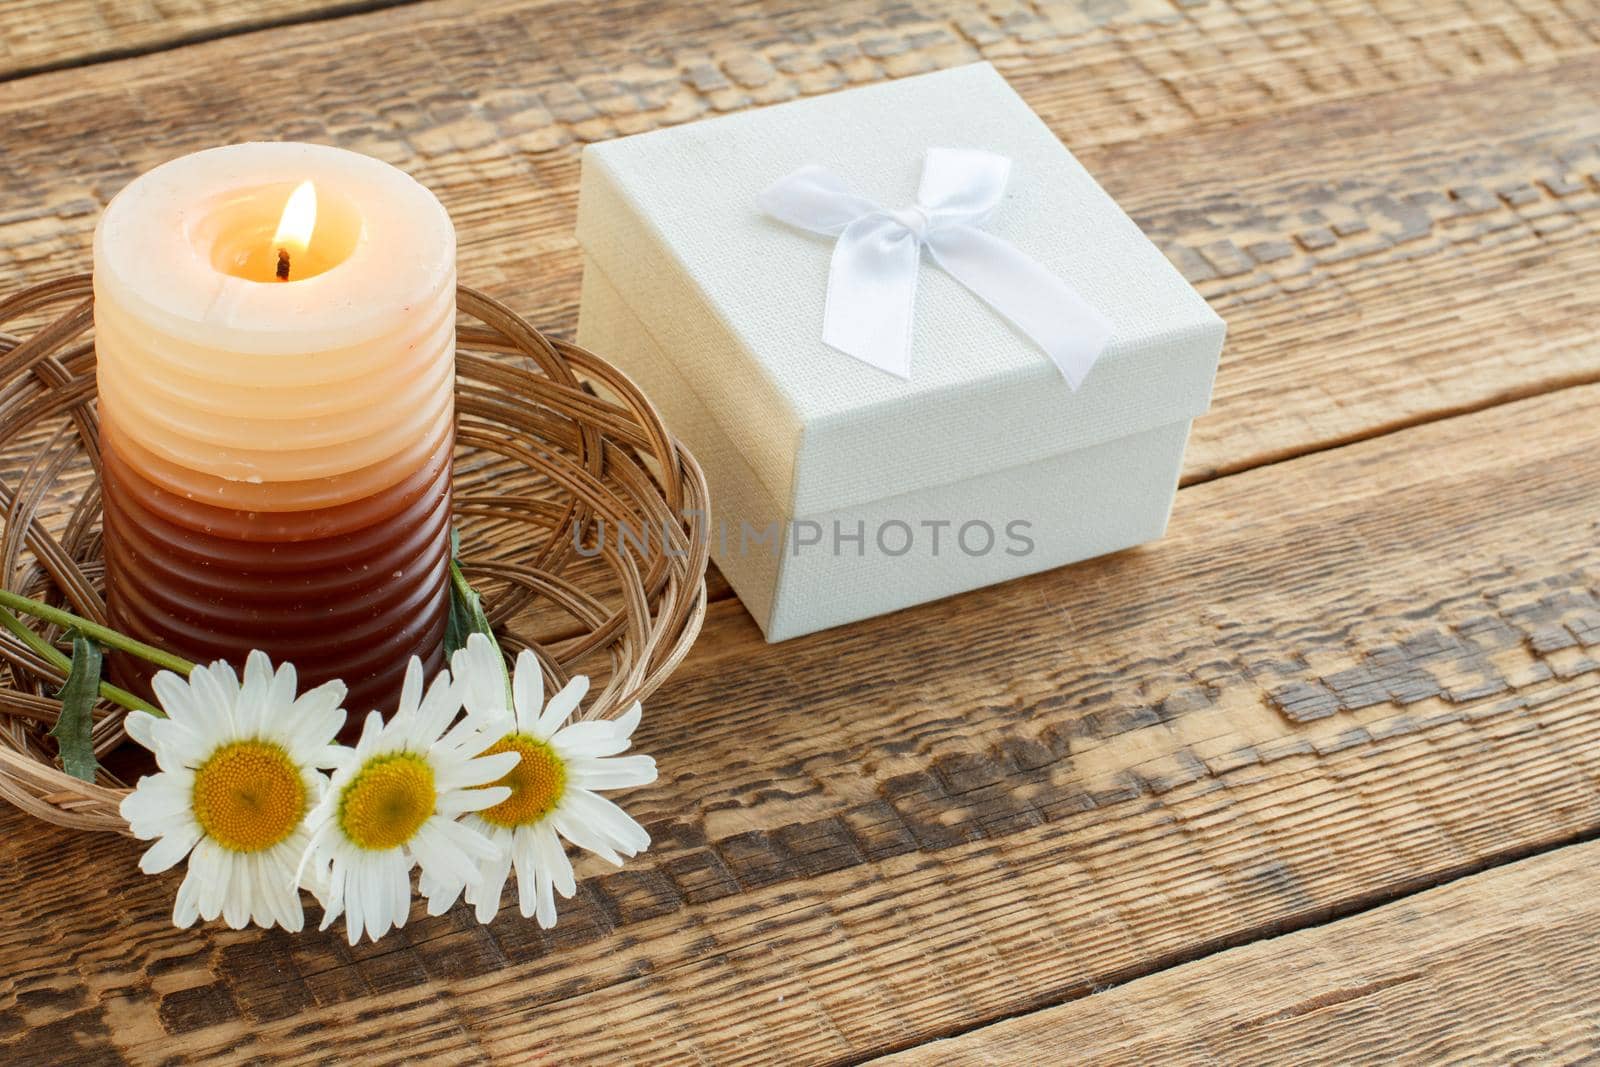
point(717, 311)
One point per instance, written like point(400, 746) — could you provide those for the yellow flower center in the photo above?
point(536, 782)
point(249, 796)
point(388, 801)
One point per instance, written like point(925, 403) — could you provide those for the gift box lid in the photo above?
point(671, 219)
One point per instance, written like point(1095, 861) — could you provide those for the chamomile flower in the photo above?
point(553, 792)
point(238, 773)
point(393, 804)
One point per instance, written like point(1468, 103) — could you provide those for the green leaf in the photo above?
point(466, 606)
point(77, 696)
point(467, 616)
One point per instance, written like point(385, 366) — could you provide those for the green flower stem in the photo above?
point(94, 631)
point(44, 648)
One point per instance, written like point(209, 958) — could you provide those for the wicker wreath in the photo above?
point(550, 442)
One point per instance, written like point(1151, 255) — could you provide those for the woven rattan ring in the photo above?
point(552, 443)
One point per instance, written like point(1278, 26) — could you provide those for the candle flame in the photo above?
point(299, 218)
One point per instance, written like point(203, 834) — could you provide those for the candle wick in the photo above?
point(283, 264)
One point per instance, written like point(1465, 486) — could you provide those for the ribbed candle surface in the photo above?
point(276, 452)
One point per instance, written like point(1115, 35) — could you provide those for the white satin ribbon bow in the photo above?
point(872, 282)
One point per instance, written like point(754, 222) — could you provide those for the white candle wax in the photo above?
point(230, 378)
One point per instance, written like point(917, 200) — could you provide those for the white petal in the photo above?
point(553, 858)
point(319, 829)
point(176, 785)
point(472, 735)
point(371, 893)
point(465, 800)
point(280, 693)
point(257, 671)
point(159, 804)
point(440, 893)
point(478, 771)
point(594, 738)
point(455, 802)
point(262, 903)
point(400, 892)
point(561, 705)
point(437, 709)
point(210, 864)
point(137, 725)
point(333, 757)
point(278, 871)
point(389, 907)
point(316, 784)
point(179, 746)
point(472, 843)
point(371, 736)
point(591, 821)
point(167, 851)
point(480, 671)
point(282, 903)
point(356, 904)
point(312, 738)
point(528, 882)
point(272, 891)
point(240, 900)
point(385, 892)
point(222, 673)
point(438, 854)
point(186, 909)
point(333, 895)
point(313, 719)
point(528, 689)
point(411, 688)
point(583, 835)
point(214, 701)
point(485, 895)
point(313, 877)
point(628, 721)
point(177, 699)
point(257, 905)
point(614, 772)
point(252, 707)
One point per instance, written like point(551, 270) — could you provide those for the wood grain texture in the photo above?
point(1340, 679)
point(46, 34)
point(1501, 967)
point(1393, 204)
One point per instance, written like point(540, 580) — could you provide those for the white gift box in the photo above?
point(840, 491)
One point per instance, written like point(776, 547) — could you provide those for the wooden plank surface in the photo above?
point(38, 35)
point(1501, 967)
point(1340, 679)
point(1420, 244)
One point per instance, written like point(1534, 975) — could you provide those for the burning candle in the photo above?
point(275, 339)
